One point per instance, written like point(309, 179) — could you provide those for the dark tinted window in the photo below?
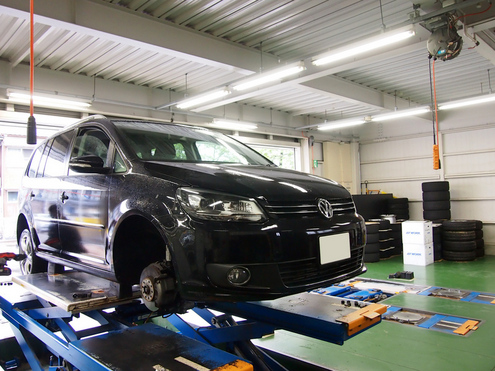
point(55, 162)
point(162, 142)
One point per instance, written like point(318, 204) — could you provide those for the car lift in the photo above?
point(42, 305)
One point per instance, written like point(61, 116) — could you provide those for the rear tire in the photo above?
point(32, 264)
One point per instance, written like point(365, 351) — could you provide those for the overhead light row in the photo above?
point(406, 113)
point(278, 74)
point(46, 101)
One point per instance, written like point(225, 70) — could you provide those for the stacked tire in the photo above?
point(385, 240)
point(396, 236)
point(372, 248)
point(462, 240)
point(399, 207)
point(436, 201)
point(437, 241)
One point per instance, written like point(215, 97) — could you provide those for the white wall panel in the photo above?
point(468, 163)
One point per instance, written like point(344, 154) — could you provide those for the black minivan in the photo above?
point(186, 213)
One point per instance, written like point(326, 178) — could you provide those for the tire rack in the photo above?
point(117, 343)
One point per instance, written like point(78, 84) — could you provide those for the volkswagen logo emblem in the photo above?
point(325, 208)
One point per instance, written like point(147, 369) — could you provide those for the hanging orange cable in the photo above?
point(31, 61)
point(31, 124)
point(436, 150)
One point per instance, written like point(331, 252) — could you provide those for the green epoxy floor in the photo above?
point(394, 346)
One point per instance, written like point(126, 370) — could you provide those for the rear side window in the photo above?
point(35, 162)
point(55, 161)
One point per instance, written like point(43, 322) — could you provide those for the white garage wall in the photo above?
point(399, 166)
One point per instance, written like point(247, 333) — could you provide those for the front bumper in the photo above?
point(282, 259)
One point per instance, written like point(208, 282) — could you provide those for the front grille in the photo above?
point(309, 271)
point(340, 206)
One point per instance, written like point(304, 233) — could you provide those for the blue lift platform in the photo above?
point(42, 306)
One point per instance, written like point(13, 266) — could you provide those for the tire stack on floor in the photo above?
point(462, 240)
point(436, 201)
point(437, 241)
point(386, 242)
point(372, 248)
point(396, 235)
point(399, 207)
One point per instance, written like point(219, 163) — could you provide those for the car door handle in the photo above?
point(64, 197)
point(32, 195)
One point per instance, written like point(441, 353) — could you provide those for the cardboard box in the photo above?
point(416, 254)
point(418, 232)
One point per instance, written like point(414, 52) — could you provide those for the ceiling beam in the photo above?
point(96, 18)
point(313, 73)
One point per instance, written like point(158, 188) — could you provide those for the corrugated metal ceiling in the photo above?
point(283, 30)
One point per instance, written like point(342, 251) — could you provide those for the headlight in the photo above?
point(208, 205)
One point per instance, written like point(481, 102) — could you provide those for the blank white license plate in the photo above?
point(335, 248)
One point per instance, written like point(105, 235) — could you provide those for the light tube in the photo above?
point(401, 113)
point(268, 77)
point(23, 98)
point(362, 47)
point(467, 102)
point(187, 103)
point(341, 124)
point(233, 124)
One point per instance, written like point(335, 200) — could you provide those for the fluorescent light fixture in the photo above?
point(270, 76)
point(401, 113)
point(467, 102)
point(45, 101)
point(233, 124)
point(341, 124)
point(187, 103)
point(373, 43)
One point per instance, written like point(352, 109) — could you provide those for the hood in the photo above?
point(272, 183)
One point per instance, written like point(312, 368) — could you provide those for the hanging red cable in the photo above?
point(469, 15)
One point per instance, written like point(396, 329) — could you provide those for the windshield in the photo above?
point(164, 142)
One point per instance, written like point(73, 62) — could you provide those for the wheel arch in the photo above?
point(22, 224)
point(137, 242)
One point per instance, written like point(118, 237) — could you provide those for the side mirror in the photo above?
point(88, 164)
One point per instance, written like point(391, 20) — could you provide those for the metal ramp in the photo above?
point(49, 302)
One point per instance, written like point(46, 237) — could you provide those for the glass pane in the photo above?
point(12, 196)
point(33, 166)
point(55, 163)
point(162, 142)
point(281, 156)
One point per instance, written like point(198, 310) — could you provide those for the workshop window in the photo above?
point(284, 157)
point(12, 196)
point(18, 157)
point(217, 152)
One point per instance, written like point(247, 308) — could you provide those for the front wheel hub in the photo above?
point(147, 289)
point(157, 286)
